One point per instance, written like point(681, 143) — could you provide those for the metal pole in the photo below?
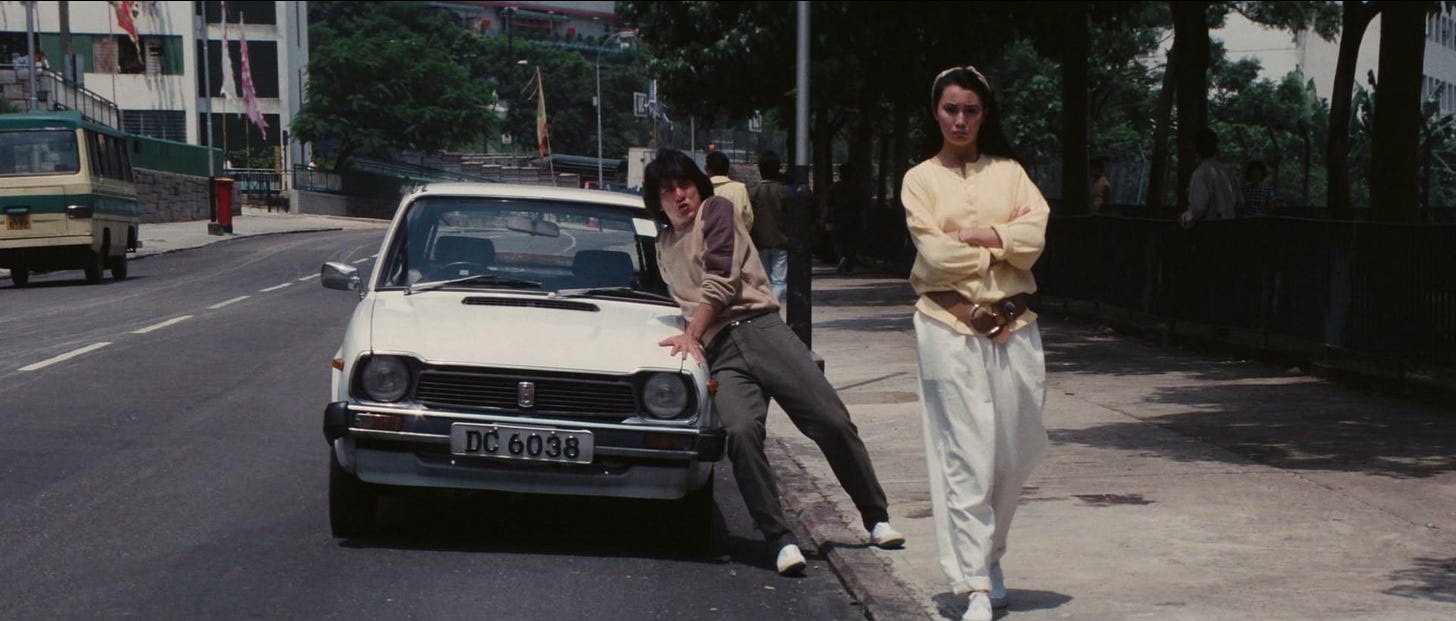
point(598, 103)
point(30, 50)
point(801, 98)
point(201, 29)
point(798, 202)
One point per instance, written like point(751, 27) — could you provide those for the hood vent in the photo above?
point(531, 303)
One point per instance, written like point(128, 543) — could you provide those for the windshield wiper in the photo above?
point(618, 292)
point(495, 281)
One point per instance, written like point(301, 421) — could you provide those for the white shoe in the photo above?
point(791, 561)
point(999, 597)
point(978, 608)
point(886, 537)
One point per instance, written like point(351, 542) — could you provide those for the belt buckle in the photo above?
point(999, 318)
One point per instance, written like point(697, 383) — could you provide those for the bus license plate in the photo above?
point(521, 443)
point(17, 221)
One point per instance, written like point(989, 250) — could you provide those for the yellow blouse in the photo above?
point(939, 201)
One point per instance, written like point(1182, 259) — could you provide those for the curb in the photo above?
point(860, 567)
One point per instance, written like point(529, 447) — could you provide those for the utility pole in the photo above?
point(799, 201)
point(30, 51)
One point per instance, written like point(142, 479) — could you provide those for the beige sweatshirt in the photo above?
point(983, 193)
point(712, 261)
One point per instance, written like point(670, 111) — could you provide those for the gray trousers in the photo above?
point(762, 358)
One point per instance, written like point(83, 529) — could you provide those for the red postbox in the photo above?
point(223, 189)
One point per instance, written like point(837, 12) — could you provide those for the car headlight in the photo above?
point(665, 395)
point(385, 378)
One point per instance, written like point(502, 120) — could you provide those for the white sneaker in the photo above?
point(999, 597)
point(978, 608)
point(791, 561)
point(886, 537)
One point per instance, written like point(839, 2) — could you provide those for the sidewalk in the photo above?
point(1178, 486)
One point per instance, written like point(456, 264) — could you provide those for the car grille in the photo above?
point(593, 397)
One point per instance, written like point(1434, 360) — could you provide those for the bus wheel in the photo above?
point(19, 276)
point(117, 265)
point(95, 264)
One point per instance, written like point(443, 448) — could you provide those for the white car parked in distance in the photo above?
point(507, 340)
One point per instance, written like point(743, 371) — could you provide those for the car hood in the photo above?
point(440, 327)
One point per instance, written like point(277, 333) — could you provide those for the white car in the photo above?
point(507, 340)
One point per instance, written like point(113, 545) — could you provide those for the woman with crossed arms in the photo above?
point(978, 223)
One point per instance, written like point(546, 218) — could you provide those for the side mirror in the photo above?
point(341, 276)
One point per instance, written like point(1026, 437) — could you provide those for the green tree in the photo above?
point(1191, 62)
point(379, 80)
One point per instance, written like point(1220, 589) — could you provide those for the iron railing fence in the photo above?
point(1383, 289)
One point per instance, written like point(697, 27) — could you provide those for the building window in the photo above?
point(164, 124)
point(157, 55)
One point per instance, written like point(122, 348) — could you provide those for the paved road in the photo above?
point(161, 458)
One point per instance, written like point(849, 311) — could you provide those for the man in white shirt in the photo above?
point(1212, 190)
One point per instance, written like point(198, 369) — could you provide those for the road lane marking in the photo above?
point(275, 287)
point(63, 357)
point(222, 304)
point(362, 260)
point(308, 277)
point(159, 326)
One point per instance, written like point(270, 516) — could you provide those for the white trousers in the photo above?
point(982, 404)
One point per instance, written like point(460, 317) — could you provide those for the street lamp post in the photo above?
point(620, 36)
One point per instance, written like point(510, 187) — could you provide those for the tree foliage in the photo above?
point(380, 79)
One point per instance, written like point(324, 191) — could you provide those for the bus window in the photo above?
point(38, 152)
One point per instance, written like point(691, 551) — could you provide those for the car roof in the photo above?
point(538, 192)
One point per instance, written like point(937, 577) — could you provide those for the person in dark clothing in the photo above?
point(768, 234)
point(847, 204)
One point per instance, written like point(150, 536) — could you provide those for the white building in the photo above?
point(1280, 52)
point(159, 85)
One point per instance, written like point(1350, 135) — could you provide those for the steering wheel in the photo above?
point(454, 269)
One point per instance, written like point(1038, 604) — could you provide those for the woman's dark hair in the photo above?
point(670, 166)
point(991, 138)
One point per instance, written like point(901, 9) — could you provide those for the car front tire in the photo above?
point(353, 504)
point(699, 520)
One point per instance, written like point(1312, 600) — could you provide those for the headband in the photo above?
point(973, 70)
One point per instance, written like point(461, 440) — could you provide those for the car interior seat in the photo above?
point(456, 248)
point(602, 268)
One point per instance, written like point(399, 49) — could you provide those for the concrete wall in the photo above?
point(325, 204)
point(170, 197)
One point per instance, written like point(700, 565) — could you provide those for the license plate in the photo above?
point(17, 221)
point(521, 443)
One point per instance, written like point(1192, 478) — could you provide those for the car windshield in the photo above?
point(484, 243)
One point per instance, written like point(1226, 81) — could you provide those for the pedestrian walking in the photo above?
point(1213, 194)
point(767, 197)
point(735, 191)
point(710, 266)
point(978, 223)
point(846, 205)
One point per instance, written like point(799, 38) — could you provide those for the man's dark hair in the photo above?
point(717, 163)
point(670, 166)
point(768, 165)
point(1206, 143)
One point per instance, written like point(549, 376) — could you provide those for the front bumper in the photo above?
point(634, 460)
